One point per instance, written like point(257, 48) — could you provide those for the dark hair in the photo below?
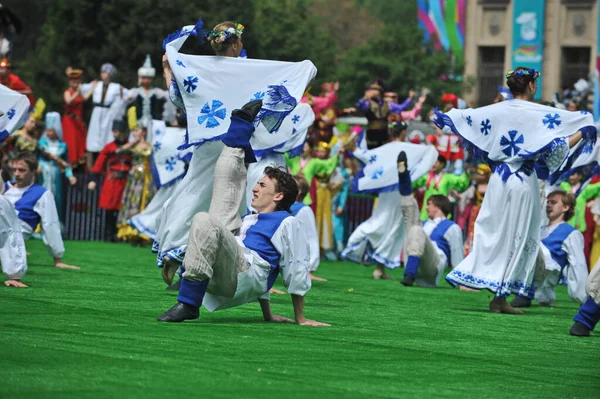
point(519, 82)
point(567, 199)
point(442, 202)
point(302, 187)
point(285, 184)
point(27, 157)
point(442, 160)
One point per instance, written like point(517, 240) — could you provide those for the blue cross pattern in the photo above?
point(157, 146)
point(11, 113)
point(469, 120)
point(552, 121)
point(170, 163)
point(180, 63)
point(486, 127)
point(373, 158)
point(296, 119)
point(210, 114)
point(190, 83)
point(259, 95)
point(510, 143)
point(157, 132)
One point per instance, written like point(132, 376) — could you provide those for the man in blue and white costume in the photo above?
point(224, 270)
point(589, 313)
point(13, 256)
point(561, 255)
point(208, 88)
point(306, 216)
point(168, 165)
point(380, 238)
point(521, 141)
point(35, 206)
point(433, 245)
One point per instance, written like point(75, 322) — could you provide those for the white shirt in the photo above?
point(307, 218)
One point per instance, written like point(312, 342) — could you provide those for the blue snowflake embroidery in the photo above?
point(157, 146)
point(209, 114)
point(190, 84)
point(469, 120)
point(584, 112)
point(552, 121)
point(510, 143)
point(296, 119)
point(157, 132)
point(11, 113)
point(377, 174)
point(486, 127)
point(259, 95)
point(170, 164)
point(180, 63)
point(373, 158)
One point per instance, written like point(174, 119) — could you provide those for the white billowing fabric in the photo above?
point(584, 163)
point(256, 172)
point(213, 86)
point(513, 131)
point(166, 157)
point(309, 225)
point(575, 272)
point(147, 221)
point(45, 207)
point(381, 237)
point(13, 256)
point(14, 107)
point(507, 232)
point(381, 170)
point(293, 266)
point(454, 237)
point(592, 285)
point(192, 195)
point(100, 127)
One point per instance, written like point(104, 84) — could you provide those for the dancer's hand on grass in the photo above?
point(14, 283)
point(61, 265)
point(280, 319)
point(312, 323)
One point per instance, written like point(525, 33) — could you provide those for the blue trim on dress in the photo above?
point(139, 226)
point(369, 256)
point(501, 289)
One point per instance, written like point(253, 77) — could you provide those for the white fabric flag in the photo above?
point(380, 172)
point(213, 86)
point(13, 111)
point(167, 163)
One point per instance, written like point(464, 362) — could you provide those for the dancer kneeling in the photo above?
point(435, 244)
point(224, 270)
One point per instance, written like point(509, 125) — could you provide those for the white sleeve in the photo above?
point(290, 241)
point(576, 272)
point(12, 247)
point(85, 88)
point(161, 93)
point(130, 95)
point(455, 240)
point(309, 225)
point(46, 208)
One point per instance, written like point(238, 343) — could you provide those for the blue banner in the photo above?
point(528, 36)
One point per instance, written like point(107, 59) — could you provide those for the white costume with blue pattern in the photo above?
point(521, 141)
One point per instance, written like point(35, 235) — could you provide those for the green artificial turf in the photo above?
point(92, 334)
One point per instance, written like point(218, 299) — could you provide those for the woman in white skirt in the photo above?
point(521, 141)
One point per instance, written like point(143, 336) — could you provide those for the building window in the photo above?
point(575, 65)
point(491, 73)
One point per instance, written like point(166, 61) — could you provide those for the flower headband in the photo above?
point(224, 35)
point(523, 72)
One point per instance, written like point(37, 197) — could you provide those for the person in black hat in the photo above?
point(115, 165)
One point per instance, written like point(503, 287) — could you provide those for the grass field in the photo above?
point(92, 334)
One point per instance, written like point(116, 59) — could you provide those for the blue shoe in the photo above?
point(331, 256)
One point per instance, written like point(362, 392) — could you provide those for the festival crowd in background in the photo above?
point(131, 145)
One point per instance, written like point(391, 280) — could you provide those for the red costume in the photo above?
point(74, 129)
point(119, 165)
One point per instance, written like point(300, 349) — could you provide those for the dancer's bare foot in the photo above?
point(499, 305)
point(467, 289)
point(61, 265)
point(315, 278)
point(14, 283)
point(380, 274)
point(275, 291)
point(169, 269)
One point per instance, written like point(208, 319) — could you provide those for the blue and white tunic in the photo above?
point(447, 238)
point(309, 224)
point(562, 250)
point(35, 205)
point(521, 141)
point(272, 243)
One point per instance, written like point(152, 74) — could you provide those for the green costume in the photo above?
point(315, 166)
point(588, 193)
point(441, 183)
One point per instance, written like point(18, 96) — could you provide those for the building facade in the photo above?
point(568, 44)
